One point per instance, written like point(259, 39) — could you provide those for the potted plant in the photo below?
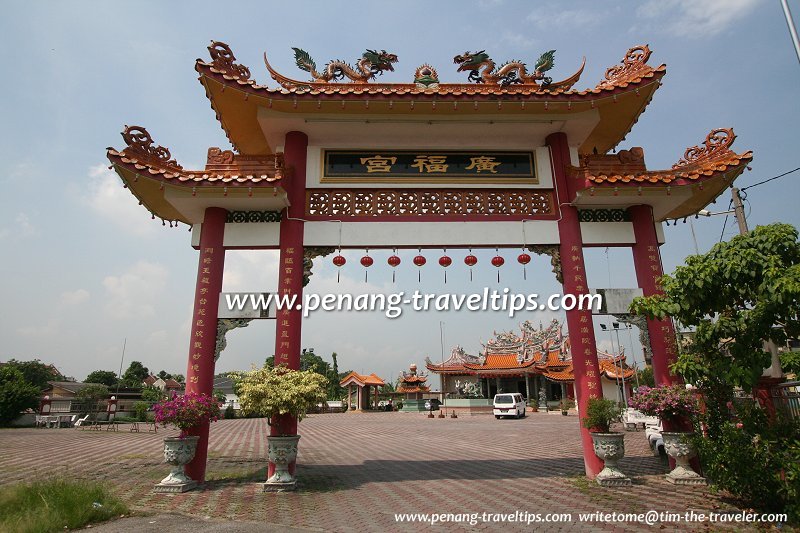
point(674, 405)
point(566, 405)
point(279, 394)
point(184, 412)
point(608, 446)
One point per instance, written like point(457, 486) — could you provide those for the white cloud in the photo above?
point(109, 199)
point(48, 329)
point(690, 18)
point(133, 293)
point(21, 228)
point(74, 297)
point(566, 18)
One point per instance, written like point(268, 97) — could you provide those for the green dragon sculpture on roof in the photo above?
point(372, 63)
point(482, 70)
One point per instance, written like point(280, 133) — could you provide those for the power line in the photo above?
point(722, 233)
point(772, 178)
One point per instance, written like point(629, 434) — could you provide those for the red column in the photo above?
point(581, 331)
point(647, 262)
point(200, 371)
point(287, 331)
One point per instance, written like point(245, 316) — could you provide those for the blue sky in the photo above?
point(83, 267)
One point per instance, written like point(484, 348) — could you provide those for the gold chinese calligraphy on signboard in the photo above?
point(427, 166)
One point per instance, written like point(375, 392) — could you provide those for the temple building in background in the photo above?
point(536, 361)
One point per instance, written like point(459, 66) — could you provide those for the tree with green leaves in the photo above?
point(90, 395)
point(152, 394)
point(163, 374)
point(103, 377)
point(134, 376)
point(738, 295)
point(16, 394)
point(36, 373)
point(790, 362)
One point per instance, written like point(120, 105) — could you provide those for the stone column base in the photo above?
point(175, 487)
point(613, 481)
point(683, 476)
point(278, 486)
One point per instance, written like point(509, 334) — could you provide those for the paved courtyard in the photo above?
point(357, 470)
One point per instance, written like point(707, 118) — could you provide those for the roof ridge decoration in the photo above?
point(716, 145)
point(370, 64)
point(140, 144)
point(481, 69)
point(713, 157)
point(222, 60)
point(634, 66)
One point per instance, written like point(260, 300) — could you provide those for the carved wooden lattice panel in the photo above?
point(411, 203)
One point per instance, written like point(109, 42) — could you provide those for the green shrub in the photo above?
point(755, 459)
point(600, 413)
point(16, 394)
point(55, 505)
point(141, 411)
point(230, 412)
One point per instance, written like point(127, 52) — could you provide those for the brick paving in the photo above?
point(357, 470)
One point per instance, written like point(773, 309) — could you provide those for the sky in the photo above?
point(85, 270)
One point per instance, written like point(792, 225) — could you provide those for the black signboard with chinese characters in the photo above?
point(433, 166)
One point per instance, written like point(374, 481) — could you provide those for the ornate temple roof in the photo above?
point(361, 380)
point(705, 169)
point(619, 98)
point(146, 169)
point(542, 351)
point(509, 98)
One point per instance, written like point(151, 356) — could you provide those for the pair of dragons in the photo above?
point(480, 66)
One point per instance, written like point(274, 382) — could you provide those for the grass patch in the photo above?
point(53, 505)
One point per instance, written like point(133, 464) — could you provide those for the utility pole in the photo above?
point(738, 210)
point(792, 30)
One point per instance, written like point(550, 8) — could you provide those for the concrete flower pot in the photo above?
point(281, 452)
point(178, 452)
point(610, 447)
point(678, 445)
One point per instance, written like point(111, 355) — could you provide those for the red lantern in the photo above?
point(524, 259)
point(445, 262)
point(420, 261)
point(498, 261)
point(366, 262)
point(470, 261)
point(339, 261)
point(393, 262)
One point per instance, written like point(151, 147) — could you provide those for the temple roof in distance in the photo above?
point(542, 351)
point(361, 380)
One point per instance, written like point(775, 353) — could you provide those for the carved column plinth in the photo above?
point(678, 445)
point(610, 447)
point(178, 452)
point(282, 452)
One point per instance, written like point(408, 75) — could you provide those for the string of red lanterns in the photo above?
point(419, 261)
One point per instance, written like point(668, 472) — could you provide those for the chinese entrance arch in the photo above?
point(423, 165)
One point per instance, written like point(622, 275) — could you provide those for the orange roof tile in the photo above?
point(633, 71)
point(713, 158)
point(223, 168)
point(355, 377)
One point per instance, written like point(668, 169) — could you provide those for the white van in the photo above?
point(509, 404)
